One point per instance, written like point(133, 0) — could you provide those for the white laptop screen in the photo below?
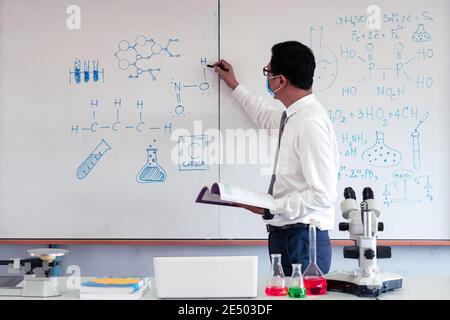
point(206, 277)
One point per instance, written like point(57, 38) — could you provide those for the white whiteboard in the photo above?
point(356, 68)
point(47, 117)
point(52, 117)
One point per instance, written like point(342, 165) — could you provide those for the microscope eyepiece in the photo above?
point(349, 193)
point(367, 193)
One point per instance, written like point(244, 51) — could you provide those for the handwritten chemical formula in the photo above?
point(380, 117)
point(116, 124)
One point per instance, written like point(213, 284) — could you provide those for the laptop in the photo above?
point(206, 277)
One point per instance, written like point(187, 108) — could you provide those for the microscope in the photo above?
point(37, 280)
point(362, 224)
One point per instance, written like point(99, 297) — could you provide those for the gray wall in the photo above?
point(118, 260)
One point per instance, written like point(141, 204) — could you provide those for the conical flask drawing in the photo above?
point(381, 155)
point(420, 35)
point(152, 172)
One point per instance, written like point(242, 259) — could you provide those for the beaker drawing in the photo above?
point(152, 172)
point(421, 35)
point(381, 155)
point(326, 61)
point(86, 167)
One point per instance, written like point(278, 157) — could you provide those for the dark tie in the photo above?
point(267, 215)
point(282, 124)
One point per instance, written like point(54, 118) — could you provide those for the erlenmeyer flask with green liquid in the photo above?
point(296, 286)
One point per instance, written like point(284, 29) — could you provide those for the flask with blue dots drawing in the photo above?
point(152, 172)
point(380, 154)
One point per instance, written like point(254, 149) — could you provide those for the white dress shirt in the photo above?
point(308, 161)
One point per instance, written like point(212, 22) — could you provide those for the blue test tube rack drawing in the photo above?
point(151, 172)
point(91, 161)
point(86, 74)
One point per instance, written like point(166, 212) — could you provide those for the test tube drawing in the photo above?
point(76, 71)
point(86, 71)
point(416, 142)
point(95, 70)
point(86, 167)
point(416, 149)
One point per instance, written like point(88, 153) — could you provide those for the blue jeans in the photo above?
point(293, 245)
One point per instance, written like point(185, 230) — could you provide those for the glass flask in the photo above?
point(152, 171)
point(381, 155)
point(315, 282)
point(276, 285)
point(296, 285)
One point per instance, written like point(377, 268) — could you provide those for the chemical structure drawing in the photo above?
point(408, 190)
point(137, 56)
point(79, 75)
point(91, 161)
point(203, 86)
point(420, 35)
point(373, 68)
point(327, 63)
point(416, 142)
point(397, 69)
point(117, 125)
point(193, 153)
point(152, 172)
point(381, 155)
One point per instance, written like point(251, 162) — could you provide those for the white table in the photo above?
point(414, 288)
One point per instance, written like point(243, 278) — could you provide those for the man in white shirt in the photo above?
point(307, 158)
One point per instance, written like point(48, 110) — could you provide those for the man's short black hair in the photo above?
point(295, 61)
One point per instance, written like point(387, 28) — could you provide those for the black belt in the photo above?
point(271, 228)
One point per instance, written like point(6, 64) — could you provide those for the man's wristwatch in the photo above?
point(267, 215)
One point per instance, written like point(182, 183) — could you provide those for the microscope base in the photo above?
point(354, 283)
point(40, 287)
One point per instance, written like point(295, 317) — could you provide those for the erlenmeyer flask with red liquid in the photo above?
point(315, 282)
point(276, 284)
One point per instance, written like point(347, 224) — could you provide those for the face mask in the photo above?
point(269, 89)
